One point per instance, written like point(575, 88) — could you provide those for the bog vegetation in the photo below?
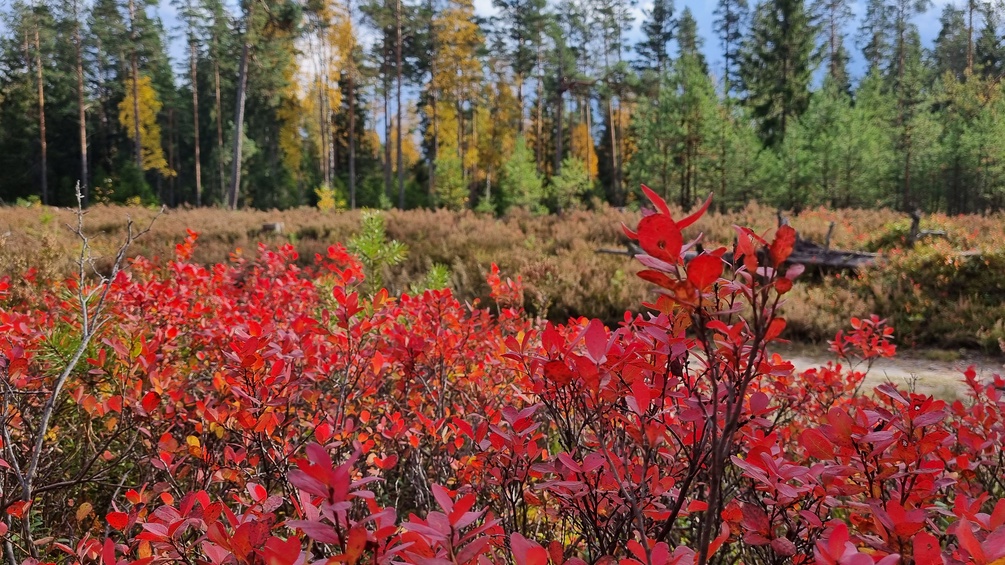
point(944, 291)
point(269, 410)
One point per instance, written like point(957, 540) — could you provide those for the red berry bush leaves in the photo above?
point(258, 412)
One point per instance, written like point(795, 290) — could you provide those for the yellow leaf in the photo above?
point(192, 441)
point(83, 511)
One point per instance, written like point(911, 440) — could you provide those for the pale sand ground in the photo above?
point(938, 373)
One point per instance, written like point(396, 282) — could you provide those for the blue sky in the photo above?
point(928, 25)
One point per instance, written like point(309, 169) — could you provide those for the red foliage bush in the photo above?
point(256, 412)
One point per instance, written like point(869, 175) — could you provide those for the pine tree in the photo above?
point(658, 31)
point(521, 184)
point(523, 24)
point(875, 35)
point(951, 49)
point(689, 41)
point(778, 66)
point(834, 15)
point(989, 50)
point(730, 23)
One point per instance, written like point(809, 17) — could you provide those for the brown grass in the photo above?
point(555, 255)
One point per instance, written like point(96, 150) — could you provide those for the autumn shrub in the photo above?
point(943, 295)
point(555, 255)
point(272, 409)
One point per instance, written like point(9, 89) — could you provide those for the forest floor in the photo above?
point(937, 372)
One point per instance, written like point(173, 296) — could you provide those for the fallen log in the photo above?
point(804, 252)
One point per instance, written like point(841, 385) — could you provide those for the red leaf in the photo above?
point(596, 340)
point(657, 278)
point(279, 552)
point(755, 519)
point(704, 270)
point(969, 542)
point(660, 237)
point(442, 497)
point(356, 544)
point(460, 507)
point(108, 552)
point(18, 508)
point(783, 547)
point(657, 200)
point(927, 550)
point(696, 215)
point(527, 552)
point(816, 444)
point(257, 492)
point(720, 539)
point(118, 520)
point(781, 247)
point(151, 401)
point(774, 328)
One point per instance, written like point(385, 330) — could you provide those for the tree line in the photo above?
point(547, 105)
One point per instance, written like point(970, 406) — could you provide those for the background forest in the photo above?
point(546, 106)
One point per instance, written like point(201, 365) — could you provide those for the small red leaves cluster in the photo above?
point(257, 412)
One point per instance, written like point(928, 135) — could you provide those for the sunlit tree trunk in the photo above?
point(135, 73)
point(43, 145)
point(219, 116)
point(400, 157)
point(242, 85)
point(81, 107)
point(195, 122)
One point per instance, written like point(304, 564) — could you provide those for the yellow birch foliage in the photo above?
point(457, 39)
point(497, 123)
point(623, 114)
point(584, 149)
point(291, 118)
point(409, 151)
point(457, 76)
point(151, 152)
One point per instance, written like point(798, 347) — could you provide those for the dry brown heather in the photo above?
point(555, 255)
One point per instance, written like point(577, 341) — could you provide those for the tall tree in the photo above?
point(689, 41)
point(192, 15)
point(242, 92)
point(658, 32)
point(835, 15)
point(397, 105)
point(730, 21)
point(523, 23)
point(457, 79)
point(73, 9)
point(951, 53)
point(778, 65)
point(42, 141)
point(149, 132)
point(901, 13)
point(874, 35)
point(989, 51)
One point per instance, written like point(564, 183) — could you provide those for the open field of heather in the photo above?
point(946, 292)
point(191, 397)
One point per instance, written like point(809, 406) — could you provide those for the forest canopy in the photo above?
point(547, 105)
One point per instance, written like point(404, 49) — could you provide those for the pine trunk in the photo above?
point(538, 126)
point(81, 107)
point(352, 139)
point(219, 122)
point(400, 156)
point(195, 124)
point(388, 130)
point(41, 115)
point(135, 72)
point(242, 85)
